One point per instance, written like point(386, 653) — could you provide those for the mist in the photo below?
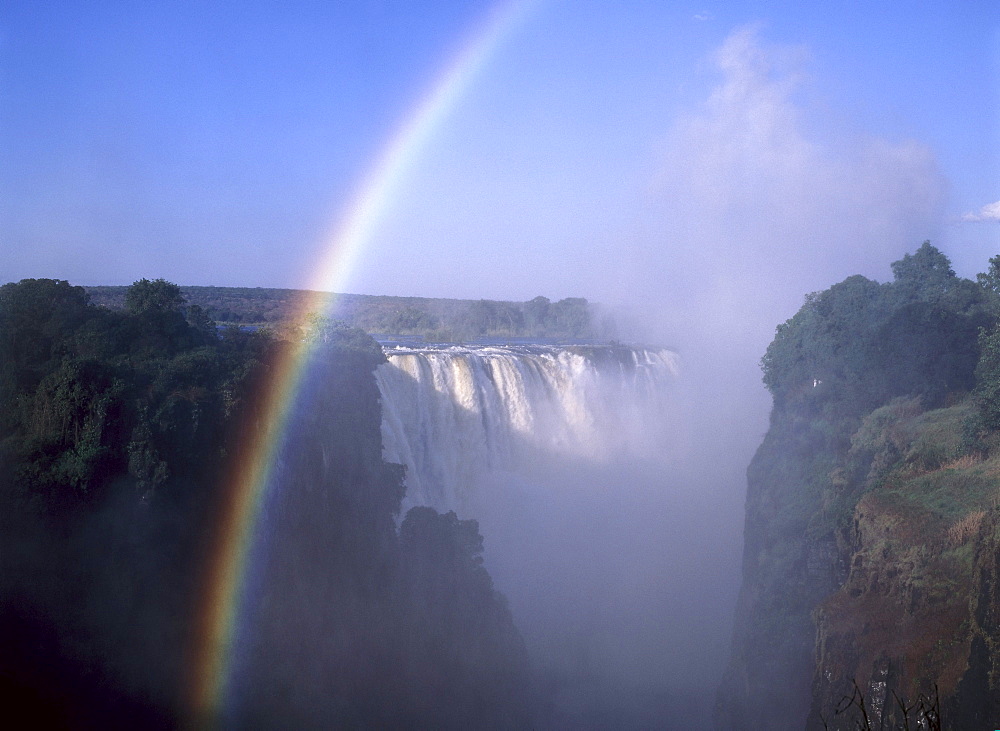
point(764, 195)
point(622, 571)
point(622, 585)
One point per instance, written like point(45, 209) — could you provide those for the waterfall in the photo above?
point(457, 415)
point(601, 524)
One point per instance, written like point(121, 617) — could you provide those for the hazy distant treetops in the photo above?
point(434, 319)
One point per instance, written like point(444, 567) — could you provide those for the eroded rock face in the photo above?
point(897, 631)
point(916, 627)
point(976, 703)
point(888, 610)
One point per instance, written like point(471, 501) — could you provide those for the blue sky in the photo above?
point(698, 152)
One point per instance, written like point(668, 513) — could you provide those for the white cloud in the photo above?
point(989, 212)
point(763, 198)
point(703, 15)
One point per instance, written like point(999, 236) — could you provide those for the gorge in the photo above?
point(568, 458)
point(505, 535)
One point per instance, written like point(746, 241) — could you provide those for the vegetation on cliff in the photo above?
point(117, 427)
point(872, 507)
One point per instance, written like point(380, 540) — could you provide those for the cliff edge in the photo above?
point(872, 537)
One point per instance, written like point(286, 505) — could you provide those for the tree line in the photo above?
point(435, 319)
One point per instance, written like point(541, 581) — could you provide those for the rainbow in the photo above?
point(246, 490)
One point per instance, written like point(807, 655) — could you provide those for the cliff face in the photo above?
point(888, 615)
point(787, 571)
point(976, 702)
point(356, 624)
point(870, 574)
point(922, 552)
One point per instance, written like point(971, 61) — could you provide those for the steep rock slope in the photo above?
point(922, 553)
point(870, 542)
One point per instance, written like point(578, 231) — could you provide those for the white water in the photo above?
point(602, 525)
point(458, 417)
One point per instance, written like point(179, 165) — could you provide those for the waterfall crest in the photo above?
point(455, 414)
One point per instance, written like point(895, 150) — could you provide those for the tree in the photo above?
point(987, 391)
point(199, 320)
point(74, 431)
point(990, 280)
point(537, 311)
point(925, 274)
point(826, 343)
point(157, 308)
point(570, 317)
point(989, 283)
point(158, 295)
point(35, 317)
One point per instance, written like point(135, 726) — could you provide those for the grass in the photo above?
point(952, 492)
point(936, 475)
point(965, 528)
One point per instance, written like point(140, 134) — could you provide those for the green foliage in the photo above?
point(113, 430)
point(948, 494)
point(990, 279)
point(825, 348)
point(408, 320)
point(925, 348)
point(91, 397)
point(144, 463)
point(57, 411)
point(157, 295)
point(883, 438)
point(859, 344)
point(925, 274)
point(987, 390)
point(536, 312)
point(116, 429)
point(201, 323)
point(486, 317)
point(937, 438)
point(36, 316)
point(858, 377)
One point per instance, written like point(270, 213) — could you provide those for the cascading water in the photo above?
point(456, 416)
point(598, 527)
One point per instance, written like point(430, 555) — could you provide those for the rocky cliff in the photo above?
point(870, 591)
point(912, 630)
